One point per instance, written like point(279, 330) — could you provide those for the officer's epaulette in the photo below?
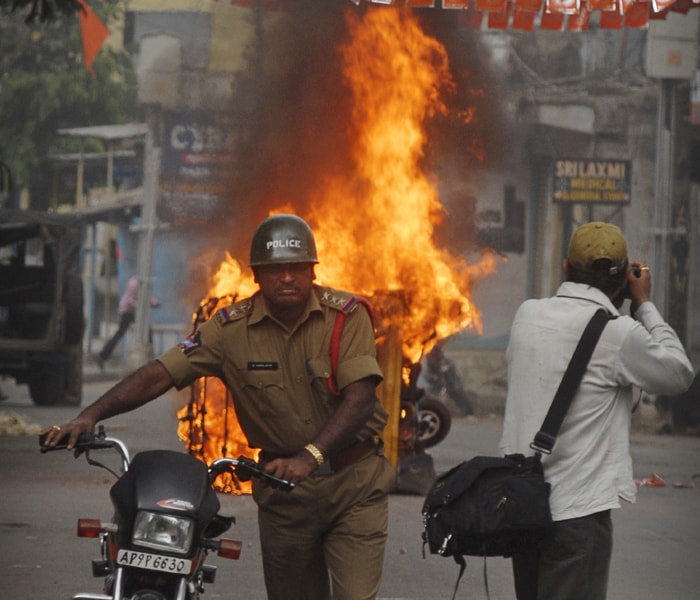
point(234, 311)
point(339, 300)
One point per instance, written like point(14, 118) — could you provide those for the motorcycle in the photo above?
point(166, 521)
point(433, 383)
point(437, 384)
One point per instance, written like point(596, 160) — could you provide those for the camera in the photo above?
point(637, 272)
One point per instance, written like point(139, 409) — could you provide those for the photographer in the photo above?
point(590, 467)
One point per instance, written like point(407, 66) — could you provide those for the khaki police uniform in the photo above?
point(333, 521)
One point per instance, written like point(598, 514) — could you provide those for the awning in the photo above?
point(108, 132)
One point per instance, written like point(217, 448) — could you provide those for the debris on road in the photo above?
point(653, 481)
point(656, 481)
point(12, 424)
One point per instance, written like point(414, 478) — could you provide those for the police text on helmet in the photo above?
point(284, 244)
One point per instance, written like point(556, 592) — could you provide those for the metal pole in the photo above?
point(80, 176)
point(110, 167)
point(662, 194)
point(92, 230)
point(141, 350)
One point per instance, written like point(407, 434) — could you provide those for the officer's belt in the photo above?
point(338, 461)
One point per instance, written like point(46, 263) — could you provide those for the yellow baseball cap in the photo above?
point(595, 241)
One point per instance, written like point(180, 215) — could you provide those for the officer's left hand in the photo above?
point(68, 433)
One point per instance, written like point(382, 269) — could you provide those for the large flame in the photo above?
point(385, 216)
point(375, 224)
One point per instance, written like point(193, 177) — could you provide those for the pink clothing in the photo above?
point(127, 303)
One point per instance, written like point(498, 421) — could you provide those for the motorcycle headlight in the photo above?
point(163, 532)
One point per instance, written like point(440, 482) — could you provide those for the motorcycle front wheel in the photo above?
point(434, 421)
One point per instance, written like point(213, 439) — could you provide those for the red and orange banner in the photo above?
point(573, 15)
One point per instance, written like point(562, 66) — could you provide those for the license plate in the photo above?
point(153, 562)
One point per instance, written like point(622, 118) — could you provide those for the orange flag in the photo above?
point(94, 33)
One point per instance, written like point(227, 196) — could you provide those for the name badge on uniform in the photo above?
point(262, 366)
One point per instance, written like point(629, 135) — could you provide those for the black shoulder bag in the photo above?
point(499, 506)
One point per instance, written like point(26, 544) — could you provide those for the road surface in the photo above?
point(657, 540)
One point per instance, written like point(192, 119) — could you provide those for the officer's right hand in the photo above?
point(292, 469)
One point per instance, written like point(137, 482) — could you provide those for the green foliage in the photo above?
point(43, 11)
point(45, 86)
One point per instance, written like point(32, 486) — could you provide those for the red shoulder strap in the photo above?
point(335, 343)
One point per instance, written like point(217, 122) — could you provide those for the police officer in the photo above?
point(326, 538)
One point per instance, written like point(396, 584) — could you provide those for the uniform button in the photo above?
point(326, 374)
point(260, 384)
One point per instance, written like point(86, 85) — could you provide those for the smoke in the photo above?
point(295, 131)
point(303, 109)
point(458, 150)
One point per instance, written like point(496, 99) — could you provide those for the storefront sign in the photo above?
point(198, 160)
point(597, 181)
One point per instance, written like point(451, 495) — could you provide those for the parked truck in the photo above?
point(41, 304)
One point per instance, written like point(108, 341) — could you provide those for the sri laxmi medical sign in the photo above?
point(598, 181)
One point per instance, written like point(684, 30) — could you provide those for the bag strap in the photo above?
point(547, 435)
point(332, 380)
point(459, 559)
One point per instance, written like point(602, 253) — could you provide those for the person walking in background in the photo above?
point(127, 314)
point(590, 467)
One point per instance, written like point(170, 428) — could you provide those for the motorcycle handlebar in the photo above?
point(83, 442)
point(244, 468)
point(89, 440)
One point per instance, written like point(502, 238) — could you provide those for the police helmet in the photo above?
point(282, 238)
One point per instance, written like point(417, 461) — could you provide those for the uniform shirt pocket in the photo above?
point(265, 389)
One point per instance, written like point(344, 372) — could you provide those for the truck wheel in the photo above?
point(73, 381)
point(46, 385)
point(59, 383)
